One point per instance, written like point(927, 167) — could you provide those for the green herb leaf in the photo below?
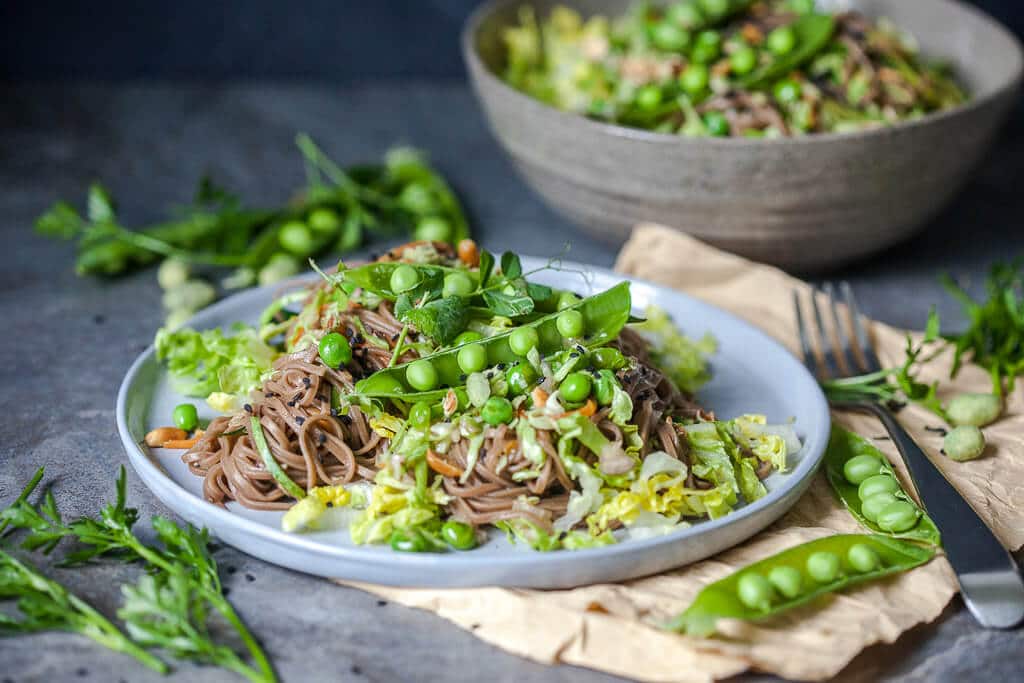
point(511, 267)
point(486, 267)
point(509, 305)
point(442, 320)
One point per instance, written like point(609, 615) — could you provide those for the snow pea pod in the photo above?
point(604, 315)
point(813, 32)
point(844, 447)
point(755, 592)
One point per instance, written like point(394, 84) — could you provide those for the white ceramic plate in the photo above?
point(752, 374)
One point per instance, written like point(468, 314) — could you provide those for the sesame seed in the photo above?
point(248, 407)
point(300, 420)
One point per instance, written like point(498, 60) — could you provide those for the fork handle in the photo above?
point(990, 580)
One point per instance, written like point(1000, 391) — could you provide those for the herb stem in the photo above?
point(398, 346)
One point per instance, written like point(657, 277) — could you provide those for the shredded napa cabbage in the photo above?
point(202, 363)
point(685, 361)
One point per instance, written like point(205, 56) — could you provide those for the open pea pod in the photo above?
point(843, 446)
point(376, 277)
point(722, 599)
point(604, 315)
point(813, 32)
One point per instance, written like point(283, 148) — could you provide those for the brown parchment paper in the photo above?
point(613, 627)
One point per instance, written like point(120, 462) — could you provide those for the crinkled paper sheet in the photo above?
point(614, 628)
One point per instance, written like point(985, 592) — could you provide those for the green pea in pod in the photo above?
point(797, 576)
point(862, 488)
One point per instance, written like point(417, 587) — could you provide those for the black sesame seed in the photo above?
point(250, 578)
point(248, 407)
point(300, 420)
point(381, 603)
point(395, 336)
point(306, 381)
point(291, 404)
point(345, 419)
point(322, 439)
point(574, 354)
point(297, 396)
point(231, 569)
point(462, 377)
point(500, 366)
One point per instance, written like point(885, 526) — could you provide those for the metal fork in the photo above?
point(990, 580)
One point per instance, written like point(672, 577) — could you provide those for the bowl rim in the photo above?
point(476, 66)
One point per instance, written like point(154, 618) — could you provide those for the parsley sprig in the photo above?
point(169, 607)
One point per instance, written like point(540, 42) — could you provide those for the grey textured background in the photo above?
point(68, 342)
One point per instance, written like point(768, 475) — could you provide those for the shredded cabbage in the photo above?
point(679, 357)
point(202, 363)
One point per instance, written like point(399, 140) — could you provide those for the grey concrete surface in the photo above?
point(68, 341)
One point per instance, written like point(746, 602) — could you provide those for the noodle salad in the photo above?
point(430, 396)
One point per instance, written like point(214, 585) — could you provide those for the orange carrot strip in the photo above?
point(442, 467)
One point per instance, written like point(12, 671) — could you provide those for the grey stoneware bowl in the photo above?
point(802, 203)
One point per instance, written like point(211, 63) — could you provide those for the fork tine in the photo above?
point(805, 342)
point(845, 350)
point(827, 348)
point(867, 349)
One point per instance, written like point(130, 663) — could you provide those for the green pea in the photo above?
point(669, 37)
point(419, 415)
point(755, 591)
point(782, 40)
point(686, 14)
point(786, 580)
point(433, 229)
point(694, 79)
point(522, 340)
point(407, 541)
point(324, 221)
point(963, 443)
point(467, 337)
point(716, 9)
point(717, 124)
point(870, 507)
point(421, 375)
point(974, 409)
point(648, 97)
point(418, 199)
point(743, 60)
point(898, 516)
point(608, 358)
point(521, 377)
point(472, 358)
point(877, 484)
point(823, 566)
point(334, 350)
point(296, 238)
point(787, 91)
point(496, 411)
point(862, 558)
point(860, 467)
point(458, 535)
point(575, 387)
point(185, 416)
point(567, 299)
point(404, 278)
point(604, 388)
point(707, 47)
point(172, 273)
point(457, 284)
point(389, 385)
point(569, 324)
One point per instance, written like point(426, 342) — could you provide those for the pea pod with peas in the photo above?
point(864, 481)
point(594, 321)
point(797, 576)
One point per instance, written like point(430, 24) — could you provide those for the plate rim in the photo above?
point(190, 506)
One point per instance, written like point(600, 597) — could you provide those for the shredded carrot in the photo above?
point(586, 410)
point(510, 446)
point(540, 397)
point(183, 444)
point(441, 466)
